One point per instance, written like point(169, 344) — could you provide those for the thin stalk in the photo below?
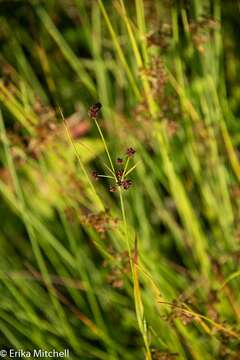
point(80, 161)
point(120, 190)
point(105, 145)
point(125, 225)
point(125, 168)
point(131, 169)
point(106, 176)
point(110, 170)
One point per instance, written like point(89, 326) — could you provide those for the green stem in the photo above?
point(125, 168)
point(110, 170)
point(106, 176)
point(105, 145)
point(125, 225)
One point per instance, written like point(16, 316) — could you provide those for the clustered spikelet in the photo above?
point(181, 309)
point(100, 222)
point(163, 355)
point(200, 31)
point(119, 178)
point(126, 184)
point(118, 268)
point(130, 152)
point(94, 110)
point(160, 37)
point(47, 132)
point(157, 76)
point(119, 175)
point(179, 312)
point(119, 160)
point(169, 105)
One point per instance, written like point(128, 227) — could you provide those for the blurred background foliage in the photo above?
point(167, 76)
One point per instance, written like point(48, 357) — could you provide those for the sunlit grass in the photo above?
point(148, 272)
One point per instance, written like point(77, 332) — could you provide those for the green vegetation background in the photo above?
point(151, 272)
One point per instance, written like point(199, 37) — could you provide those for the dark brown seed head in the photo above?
point(119, 161)
point(119, 173)
point(130, 152)
point(95, 175)
point(94, 110)
point(112, 189)
point(126, 184)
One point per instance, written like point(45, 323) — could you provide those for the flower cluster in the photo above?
point(163, 355)
point(100, 222)
point(201, 32)
point(160, 37)
point(179, 311)
point(94, 110)
point(119, 176)
point(117, 269)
